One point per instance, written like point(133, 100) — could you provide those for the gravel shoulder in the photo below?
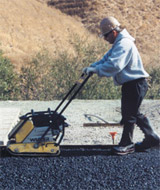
point(91, 111)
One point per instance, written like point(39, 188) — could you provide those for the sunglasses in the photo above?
point(107, 34)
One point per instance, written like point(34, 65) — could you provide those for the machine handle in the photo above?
point(82, 80)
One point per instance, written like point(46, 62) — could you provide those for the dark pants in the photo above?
point(132, 95)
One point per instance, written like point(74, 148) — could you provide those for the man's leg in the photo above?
point(144, 124)
point(151, 138)
point(127, 135)
point(132, 95)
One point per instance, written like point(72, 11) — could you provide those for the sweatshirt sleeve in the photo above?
point(114, 63)
point(104, 58)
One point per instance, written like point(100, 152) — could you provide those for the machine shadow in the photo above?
point(71, 151)
point(86, 150)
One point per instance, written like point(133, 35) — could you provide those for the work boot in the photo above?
point(126, 145)
point(151, 138)
point(127, 135)
point(123, 150)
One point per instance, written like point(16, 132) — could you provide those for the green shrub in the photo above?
point(50, 78)
point(8, 79)
point(35, 80)
point(154, 83)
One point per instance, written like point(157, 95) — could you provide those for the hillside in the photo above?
point(28, 26)
point(141, 18)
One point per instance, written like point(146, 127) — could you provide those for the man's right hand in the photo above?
point(89, 70)
point(84, 70)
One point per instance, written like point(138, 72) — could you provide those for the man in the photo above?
point(124, 64)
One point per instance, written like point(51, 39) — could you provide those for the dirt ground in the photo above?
point(80, 112)
point(88, 111)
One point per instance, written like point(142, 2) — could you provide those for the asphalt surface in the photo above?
point(82, 169)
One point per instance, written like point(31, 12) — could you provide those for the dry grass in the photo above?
point(141, 18)
point(27, 26)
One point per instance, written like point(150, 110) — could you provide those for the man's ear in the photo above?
point(115, 33)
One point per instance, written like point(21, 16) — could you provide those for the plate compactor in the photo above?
point(40, 133)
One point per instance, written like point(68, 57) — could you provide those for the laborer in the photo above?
point(124, 64)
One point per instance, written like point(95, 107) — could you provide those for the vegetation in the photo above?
point(154, 83)
point(8, 79)
point(50, 78)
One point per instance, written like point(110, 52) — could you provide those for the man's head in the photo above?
point(110, 28)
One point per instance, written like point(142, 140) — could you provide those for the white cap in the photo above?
point(108, 24)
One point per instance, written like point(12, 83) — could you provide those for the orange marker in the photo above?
point(113, 134)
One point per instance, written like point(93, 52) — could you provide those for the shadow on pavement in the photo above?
point(74, 151)
point(89, 150)
point(86, 150)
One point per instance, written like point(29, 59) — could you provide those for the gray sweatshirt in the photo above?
point(122, 61)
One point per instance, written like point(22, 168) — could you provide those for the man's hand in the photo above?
point(89, 70)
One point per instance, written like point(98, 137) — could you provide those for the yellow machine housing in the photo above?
point(40, 133)
point(24, 131)
point(37, 133)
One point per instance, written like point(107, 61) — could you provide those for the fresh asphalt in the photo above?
point(82, 169)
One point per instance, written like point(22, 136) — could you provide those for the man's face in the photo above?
point(110, 37)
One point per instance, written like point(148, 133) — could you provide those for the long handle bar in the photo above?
point(83, 79)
